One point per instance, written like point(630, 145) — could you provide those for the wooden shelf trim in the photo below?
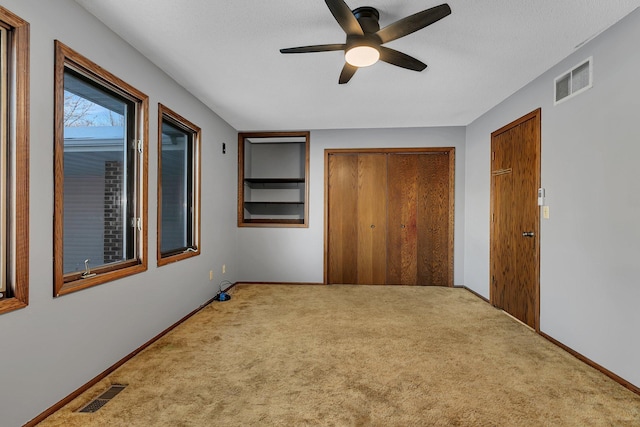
point(250, 202)
point(274, 221)
point(273, 180)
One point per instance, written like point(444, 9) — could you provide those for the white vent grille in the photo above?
point(575, 81)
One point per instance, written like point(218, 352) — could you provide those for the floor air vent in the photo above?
point(102, 400)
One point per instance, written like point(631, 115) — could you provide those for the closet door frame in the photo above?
point(413, 150)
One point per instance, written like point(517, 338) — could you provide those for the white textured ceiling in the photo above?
point(226, 52)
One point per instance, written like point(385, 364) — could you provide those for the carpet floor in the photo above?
point(283, 355)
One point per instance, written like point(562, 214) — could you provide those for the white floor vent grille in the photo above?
point(103, 399)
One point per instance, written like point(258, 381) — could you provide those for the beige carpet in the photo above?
point(355, 356)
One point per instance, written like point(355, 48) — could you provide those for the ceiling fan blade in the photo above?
point(314, 48)
point(345, 17)
point(400, 59)
point(413, 23)
point(347, 72)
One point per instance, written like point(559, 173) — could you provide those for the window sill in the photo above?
point(169, 259)
point(11, 304)
point(77, 284)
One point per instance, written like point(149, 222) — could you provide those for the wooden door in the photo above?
point(419, 219)
point(389, 216)
point(515, 218)
point(403, 182)
point(342, 190)
point(357, 218)
point(372, 219)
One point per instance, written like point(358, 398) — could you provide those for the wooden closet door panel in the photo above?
point(343, 219)
point(434, 220)
point(372, 217)
point(402, 243)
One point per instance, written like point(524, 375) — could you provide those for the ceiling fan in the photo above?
point(364, 42)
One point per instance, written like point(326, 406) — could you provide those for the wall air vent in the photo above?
point(575, 81)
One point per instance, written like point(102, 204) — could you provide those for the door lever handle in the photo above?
point(528, 234)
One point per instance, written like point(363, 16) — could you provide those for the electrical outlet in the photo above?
point(545, 212)
point(224, 268)
point(210, 275)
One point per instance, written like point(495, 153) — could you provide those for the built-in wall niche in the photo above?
point(273, 179)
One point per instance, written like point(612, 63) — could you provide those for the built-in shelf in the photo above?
point(271, 203)
point(274, 221)
point(273, 179)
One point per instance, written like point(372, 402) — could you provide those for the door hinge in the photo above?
point(493, 155)
point(139, 146)
point(136, 223)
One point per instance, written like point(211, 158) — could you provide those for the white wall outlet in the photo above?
point(210, 275)
point(545, 212)
point(224, 268)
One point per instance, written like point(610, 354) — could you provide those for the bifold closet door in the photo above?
point(342, 219)
point(390, 218)
point(418, 224)
point(357, 219)
point(404, 222)
point(372, 219)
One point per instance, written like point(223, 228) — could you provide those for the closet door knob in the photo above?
point(402, 225)
point(373, 226)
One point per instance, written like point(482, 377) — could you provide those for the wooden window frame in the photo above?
point(175, 119)
point(17, 260)
point(66, 57)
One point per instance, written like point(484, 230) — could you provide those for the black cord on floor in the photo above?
point(222, 295)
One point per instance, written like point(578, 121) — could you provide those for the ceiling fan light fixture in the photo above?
point(362, 56)
point(365, 39)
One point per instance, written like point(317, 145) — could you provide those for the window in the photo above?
point(100, 175)
point(178, 187)
point(14, 161)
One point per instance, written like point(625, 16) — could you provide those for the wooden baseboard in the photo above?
point(475, 293)
point(593, 364)
point(112, 368)
point(575, 354)
point(279, 283)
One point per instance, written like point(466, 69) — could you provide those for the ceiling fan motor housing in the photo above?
point(368, 18)
point(366, 40)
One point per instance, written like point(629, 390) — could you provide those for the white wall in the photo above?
point(590, 246)
point(56, 345)
point(297, 254)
